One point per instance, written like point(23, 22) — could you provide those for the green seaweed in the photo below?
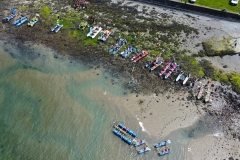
point(45, 11)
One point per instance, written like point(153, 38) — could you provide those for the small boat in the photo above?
point(144, 150)
point(186, 79)
point(120, 135)
point(138, 143)
point(140, 56)
point(201, 89)
point(104, 36)
point(56, 27)
point(33, 21)
point(10, 17)
point(118, 45)
point(94, 31)
point(156, 64)
point(128, 51)
point(164, 151)
point(160, 144)
point(20, 21)
point(127, 130)
point(171, 70)
point(151, 63)
point(83, 25)
point(165, 68)
point(179, 76)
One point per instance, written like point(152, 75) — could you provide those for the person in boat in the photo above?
point(165, 150)
point(140, 141)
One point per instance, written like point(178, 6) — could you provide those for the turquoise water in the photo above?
point(56, 108)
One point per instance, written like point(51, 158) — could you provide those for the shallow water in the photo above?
point(56, 108)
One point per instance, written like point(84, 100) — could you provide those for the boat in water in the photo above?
point(127, 130)
point(10, 17)
point(118, 45)
point(165, 68)
point(161, 144)
point(131, 49)
point(179, 76)
point(104, 36)
point(157, 64)
point(94, 31)
point(140, 56)
point(120, 135)
point(144, 150)
point(20, 21)
point(186, 78)
point(164, 152)
point(138, 143)
point(171, 70)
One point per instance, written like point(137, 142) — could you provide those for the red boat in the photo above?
point(140, 56)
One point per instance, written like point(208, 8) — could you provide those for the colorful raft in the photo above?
point(179, 76)
point(10, 17)
point(144, 150)
point(94, 31)
point(104, 36)
point(56, 27)
point(140, 56)
point(165, 68)
point(171, 70)
point(157, 64)
point(33, 21)
point(20, 21)
point(164, 151)
point(120, 135)
point(127, 130)
point(151, 63)
point(118, 45)
point(128, 51)
point(161, 144)
point(138, 143)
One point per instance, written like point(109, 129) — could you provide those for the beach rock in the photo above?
point(225, 66)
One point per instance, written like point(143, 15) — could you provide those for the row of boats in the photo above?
point(130, 137)
point(120, 42)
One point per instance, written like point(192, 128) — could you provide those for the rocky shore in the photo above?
point(175, 35)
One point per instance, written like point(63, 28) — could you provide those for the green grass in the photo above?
point(190, 64)
point(219, 4)
point(45, 11)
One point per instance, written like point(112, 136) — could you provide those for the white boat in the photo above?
point(179, 76)
point(94, 31)
point(186, 79)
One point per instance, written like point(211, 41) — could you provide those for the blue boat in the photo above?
point(56, 27)
point(125, 139)
point(138, 143)
point(9, 18)
point(164, 152)
point(118, 45)
point(128, 51)
point(144, 150)
point(161, 144)
point(20, 21)
point(127, 130)
point(104, 36)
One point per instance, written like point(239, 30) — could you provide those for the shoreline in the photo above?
point(147, 94)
